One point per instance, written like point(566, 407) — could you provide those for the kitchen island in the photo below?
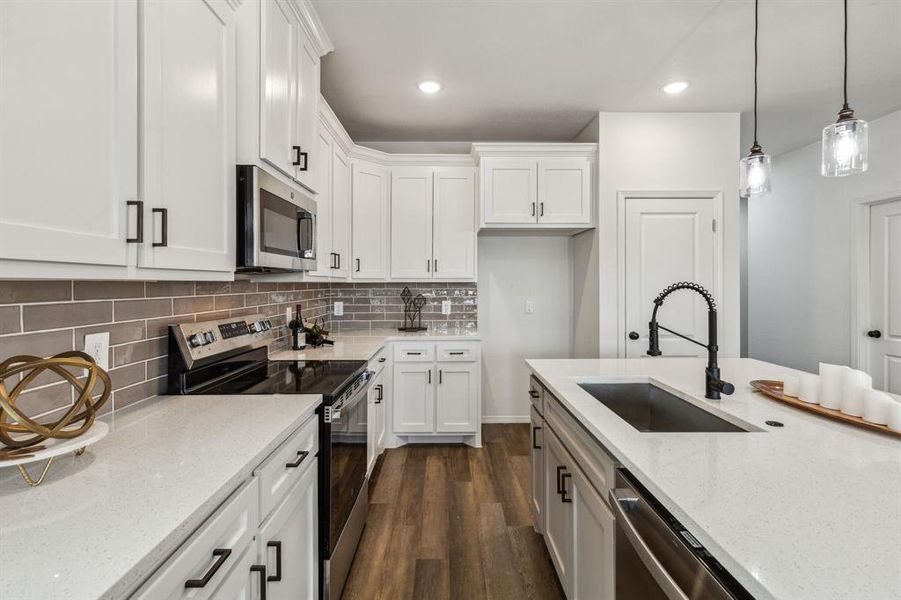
point(811, 509)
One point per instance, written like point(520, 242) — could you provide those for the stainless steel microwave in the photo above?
point(276, 224)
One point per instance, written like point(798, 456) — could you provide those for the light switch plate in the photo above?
point(339, 309)
point(445, 307)
point(530, 307)
point(96, 345)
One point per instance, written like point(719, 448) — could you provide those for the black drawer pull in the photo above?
point(164, 227)
point(278, 561)
point(456, 353)
point(382, 359)
point(414, 353)
point(358, 265)
point(261, 569)
point(563, 496)
point(440, 376)
point(535, 445)
point(297, 153)
point(222, 554)
point(139, 226)
point(381, 390)
point(560, 469)
point(534, 393)
point(302, 454)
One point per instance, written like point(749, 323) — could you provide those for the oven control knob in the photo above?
point(195, 340)
point(268, 324)
point(209, 338)
point(253, 327)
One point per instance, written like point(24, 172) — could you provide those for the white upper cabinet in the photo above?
point(69, 126)
point(189, 135)
point(341, 173)
point(279, 83)
point(308, 113)
point(325, 257)
point(454, 241)
point(536, 186)
point(333, 199)
point(369, 208)
point(411, 223)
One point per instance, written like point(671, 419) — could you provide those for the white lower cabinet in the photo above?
point(286, 542)
point(376, 430)
point(243, 582)
point(456, 398)
point(558, 528)
point(414, 398)
point(593, 539)
point(538, 482)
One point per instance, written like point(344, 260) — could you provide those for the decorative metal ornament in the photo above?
point(412, 311)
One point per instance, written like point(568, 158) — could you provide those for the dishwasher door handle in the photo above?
point(620, 497)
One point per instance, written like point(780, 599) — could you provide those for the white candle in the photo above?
point(894, 416)
point(831, 378)
point(876, 406)
point(791, 385)
point(852, 398)
point(810, 388)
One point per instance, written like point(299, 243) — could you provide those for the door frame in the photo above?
point(860, 265)
point(623, 196)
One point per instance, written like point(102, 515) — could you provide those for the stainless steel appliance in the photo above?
point(656, 557)
point(276, 224)
point(230, 356)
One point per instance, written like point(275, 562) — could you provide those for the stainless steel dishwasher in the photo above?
point(656, 557)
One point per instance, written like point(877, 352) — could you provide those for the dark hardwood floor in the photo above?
point(453, 522)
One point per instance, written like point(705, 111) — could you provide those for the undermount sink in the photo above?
point(648, 408)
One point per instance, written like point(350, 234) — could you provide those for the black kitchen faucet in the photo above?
point(714, 385)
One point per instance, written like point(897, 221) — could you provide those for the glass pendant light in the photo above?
point(755, 167)
point(845, 141)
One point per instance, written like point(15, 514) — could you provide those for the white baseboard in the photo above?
point(506, 419)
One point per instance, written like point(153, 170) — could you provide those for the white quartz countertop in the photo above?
point(364, 345)
point(102, 522)
point(808, 510)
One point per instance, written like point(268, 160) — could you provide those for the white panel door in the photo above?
point(668, 240)
point(68, 130)
point(279, 81)
point(538, 489)
point(455, 228)
point(189, 134)
point(510, 190)
point(594, 537)
point(340, 190)
point(307, 172)
point(411, 223)
point(370, 222)
point(885, 296)
point(457, 398)
point(290, 538)
point(558, 524)
point(414, 398)
point(564, 190)
point(325, 258)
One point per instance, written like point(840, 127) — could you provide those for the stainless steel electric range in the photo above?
point(230, 356)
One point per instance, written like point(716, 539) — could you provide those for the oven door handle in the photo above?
point(625, 497)
point(355, 399)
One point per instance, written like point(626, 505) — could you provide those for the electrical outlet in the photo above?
point(445, 307)
point(530, 307)
point(339, 309)
point(96, 345)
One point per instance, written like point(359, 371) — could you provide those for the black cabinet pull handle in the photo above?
point(334, 258)
point(436, 265)
point(297, 153)
point(456, 353)
point(413, 353)
point(302, 454)
point(430, 376)
point(139, 226)
point(164, 227)
point(302, 159)
point(875, 334)
point(339, 260)
point(261, 569)
point(383, 359)
point(440, 376)
point(358, 265)
point(533, 209)
point(541, 211)
point(534, 393)
point(428, 266)
point(381, 390)
point(560, 469)
point(278, 560)
point(535, 445)
point(563, 496)
point(222, 555)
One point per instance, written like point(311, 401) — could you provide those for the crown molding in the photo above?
point(309, 18)
point(411, 160)
point(329, 120)
point(508, 149)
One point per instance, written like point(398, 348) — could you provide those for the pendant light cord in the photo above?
point(845, 75)
point(756, 2)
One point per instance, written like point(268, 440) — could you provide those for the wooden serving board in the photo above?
point(773, 389)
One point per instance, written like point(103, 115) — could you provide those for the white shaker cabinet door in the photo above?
point(370, 222)
point(189, 134)
point(279, 81)
point(307, 171)
point(414, 398)
point(411, 223)
point(69, 123)
point(558, 525)
point(564, 190)
point(538, 482)
point(457, 398)
point(454, 254)
point(509, 190)
point(325, 257)
point(290, 539)
point(340, 200)
point(593, 541)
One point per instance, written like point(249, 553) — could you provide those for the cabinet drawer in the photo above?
point(284, 467)
point(211, 553)
point(414, 352)
point(458, 351)
point(536, 394)
point(597, 464)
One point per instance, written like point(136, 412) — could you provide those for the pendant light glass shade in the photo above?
point(755, 175)
point(845, 146)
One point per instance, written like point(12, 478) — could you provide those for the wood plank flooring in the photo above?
point(453, 522)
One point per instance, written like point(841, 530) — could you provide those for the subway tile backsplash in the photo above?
point(43, 318)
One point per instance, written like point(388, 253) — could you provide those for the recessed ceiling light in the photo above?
point(675, 87)
point(429, 87)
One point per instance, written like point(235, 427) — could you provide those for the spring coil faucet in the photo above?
point(714, 386)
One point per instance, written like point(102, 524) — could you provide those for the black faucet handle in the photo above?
point(653, 339)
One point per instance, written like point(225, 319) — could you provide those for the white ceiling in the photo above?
point(539, 70)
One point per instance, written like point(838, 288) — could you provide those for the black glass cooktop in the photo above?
point(327, 378)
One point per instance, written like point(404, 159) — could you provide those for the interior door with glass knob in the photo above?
point(885, 296)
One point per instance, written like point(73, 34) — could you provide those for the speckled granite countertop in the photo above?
point(102, 522)
point(811, 510)
point(364, 345)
